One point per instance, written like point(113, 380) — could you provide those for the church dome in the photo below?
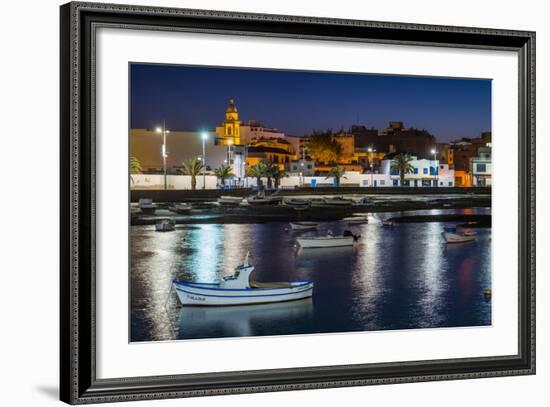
point(231, 108)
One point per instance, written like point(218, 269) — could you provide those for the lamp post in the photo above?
point(163, 151)
point(371, 150)
point(204, 136)
point(436, 166)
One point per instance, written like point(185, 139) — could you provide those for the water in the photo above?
point(400, 278)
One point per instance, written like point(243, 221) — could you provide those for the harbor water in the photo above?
point(404, 277)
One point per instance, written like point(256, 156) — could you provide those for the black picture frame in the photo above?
point(78, 382)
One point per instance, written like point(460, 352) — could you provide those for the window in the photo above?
point(365, 182)
point(481, 167)
point(424, 170)
point(450, 183)
point(382, 182)
point(416, 170)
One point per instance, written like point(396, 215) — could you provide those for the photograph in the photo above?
point(267, 202)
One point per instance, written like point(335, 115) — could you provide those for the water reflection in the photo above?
point(399, 278)
point(245, 320)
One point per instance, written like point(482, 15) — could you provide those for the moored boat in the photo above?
point(388, 223)
point(261, 200)
point(181, 208)
point(336, 201)
point(296, 203)
point(451, 235)
point(229, 200)
point(303, 225)
point(147, 207)
point(165, 225)
point(240, 289)
point(356, 220)
point(327, 241)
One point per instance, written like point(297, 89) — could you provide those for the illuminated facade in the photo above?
point(230, 130)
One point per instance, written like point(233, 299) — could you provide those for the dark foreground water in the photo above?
point(400, 278)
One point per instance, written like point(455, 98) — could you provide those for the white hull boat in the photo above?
point(147, 206)
point(181, 209)
point(240, 289)
point(325, 241)
point(165, 225)
point(451, 235)
point(458, 237)
point(356, 220)
point(303, 225)
point(230, 200)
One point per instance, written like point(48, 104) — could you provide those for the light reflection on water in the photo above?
point(398, 278)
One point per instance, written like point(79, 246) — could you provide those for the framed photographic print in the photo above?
point(241, 193)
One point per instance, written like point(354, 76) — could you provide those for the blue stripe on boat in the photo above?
point(242, 296)
point(198, 285)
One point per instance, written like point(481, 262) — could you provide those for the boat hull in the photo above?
point(320, 243)
point(213, 295)
point(303, 226)
point(457, 238)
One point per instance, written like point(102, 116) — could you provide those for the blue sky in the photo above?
point(297, 102)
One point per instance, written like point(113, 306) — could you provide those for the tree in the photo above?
point(223, 173)
point(193, 167)
point(337, 173)
point(276, 173)
point(402, 164)
point(324, 147)
point(257, 171)
point(135, 167)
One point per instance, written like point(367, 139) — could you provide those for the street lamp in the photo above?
point(371, 150)
point(436, 166)
point(163, 151)
point(204, 136)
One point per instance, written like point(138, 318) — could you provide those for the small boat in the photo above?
point(487, 293)
point(337, 201)
point(356, 220)
point(147, 206)
point(329, 240)
point(165, 225)
point(452, 236)
point(240, 289)
point(297, 203)
point(361, 201)
point(388, 224)
point(261, 200)
point(303, 225)
point(181, 208)
point(229, 200)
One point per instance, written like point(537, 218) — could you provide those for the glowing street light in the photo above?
point(163, 151)
point(204, 137)
point(436, 166)
point(371, 150)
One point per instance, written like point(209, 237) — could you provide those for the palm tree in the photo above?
point(337, 173)
point(270, 171)
point(402, 164)
point(277, 174)
point(193, 167)
point(135, 167)
point(257, 171)
point(223, 173)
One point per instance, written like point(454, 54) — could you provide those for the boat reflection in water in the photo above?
point(242, 320)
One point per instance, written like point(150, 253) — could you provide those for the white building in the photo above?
point(481, 167)
point(426, 173)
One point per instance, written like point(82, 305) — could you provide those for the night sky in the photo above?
point(195, 98)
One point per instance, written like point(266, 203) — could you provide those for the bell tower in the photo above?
point(232, 124)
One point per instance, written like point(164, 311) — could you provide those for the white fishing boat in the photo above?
point(146, 206)
point(388, 224)
point(181, 208)
point(165, 225)
point(327, 241)
point(241, 289)
point(356, 220)
point(332, 202)
point(229, 200)
point(303, 225)
point(451, 235)
point(261, 200)
point(296, 203)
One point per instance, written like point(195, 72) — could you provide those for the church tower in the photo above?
point(232, 124)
